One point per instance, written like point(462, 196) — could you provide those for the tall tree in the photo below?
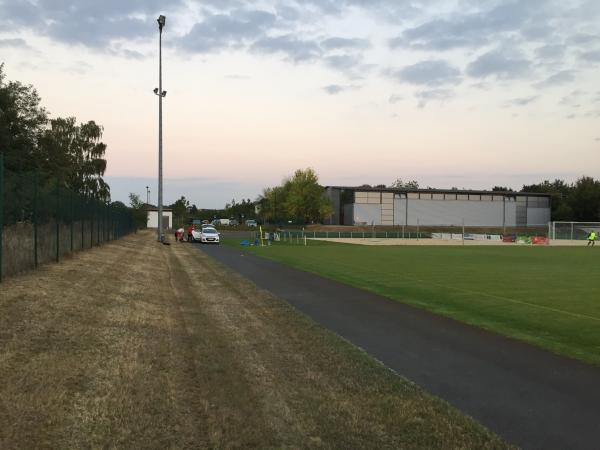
point(22, 120)
point(75, 155)
point(584, 200)
point(180, 210)
point(305, 197)
point(140, 215)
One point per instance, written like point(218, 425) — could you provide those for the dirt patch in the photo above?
point(139, 345)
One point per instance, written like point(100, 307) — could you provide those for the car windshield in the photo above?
point(209, 231)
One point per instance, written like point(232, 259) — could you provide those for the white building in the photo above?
point(153, 218)
point(437, 207)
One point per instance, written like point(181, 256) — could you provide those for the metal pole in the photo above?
point(160, 169)
point(571, 230)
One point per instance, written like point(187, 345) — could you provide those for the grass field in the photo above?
point(547, 296)
point(135, 345)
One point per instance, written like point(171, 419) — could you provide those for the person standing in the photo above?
point(592, 238)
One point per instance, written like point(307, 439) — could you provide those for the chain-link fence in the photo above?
point(41, 221)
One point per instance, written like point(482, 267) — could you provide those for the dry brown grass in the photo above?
point(137, 345)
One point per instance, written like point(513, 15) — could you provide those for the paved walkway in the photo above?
point(530, 397)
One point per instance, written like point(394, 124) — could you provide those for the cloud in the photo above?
point(86, 22)
point(221, 31)
point(473, 29)
point(14, 43)
point(551, 51)
point(438, 95)
point(337, 43)
point(521, 101)
point(429, 73)
point(334, 89)
point(500, 63)
point(591, 56)
point(573, 99)
point(558, 79)
point(296, 50)
point(395, 99)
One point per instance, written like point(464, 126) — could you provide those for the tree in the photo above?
point(305, 199)
point(75, 155)
point(501, 189)
point(140, 215)
point(22, 120)
point(58, 149)
point(584, 200)
point(399, 184)
point(180, 210)
point(273, 203)
point(559, 191)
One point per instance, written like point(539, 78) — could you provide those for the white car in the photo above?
point(206, 235)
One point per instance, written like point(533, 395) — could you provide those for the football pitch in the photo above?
point(547, 296)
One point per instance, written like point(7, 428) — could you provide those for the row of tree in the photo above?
point(579, 201)
point(57, 150)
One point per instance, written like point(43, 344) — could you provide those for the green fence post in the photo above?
point(35, 219)
point(99, 218)
point(72, 219)
point(82, 218)
point(91, 210)
point(56, 220)
point(1, 209)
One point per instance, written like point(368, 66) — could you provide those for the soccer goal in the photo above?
point(574, 231)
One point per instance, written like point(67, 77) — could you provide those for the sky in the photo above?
point(464, 93)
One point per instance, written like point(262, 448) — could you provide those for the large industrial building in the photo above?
point(437, 207)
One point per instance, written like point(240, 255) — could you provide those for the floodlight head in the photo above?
point(156, 91)
point(161, 21)
point(164, 93)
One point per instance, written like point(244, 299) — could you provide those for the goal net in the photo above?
point(573, 230)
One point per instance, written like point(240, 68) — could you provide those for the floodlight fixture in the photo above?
point(161, 22)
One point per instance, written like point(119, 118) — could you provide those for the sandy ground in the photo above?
point(139, 345)
point(394, 241)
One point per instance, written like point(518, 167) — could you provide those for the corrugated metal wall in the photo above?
point(444, 209)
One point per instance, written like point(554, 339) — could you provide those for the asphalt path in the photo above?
point(530, 397)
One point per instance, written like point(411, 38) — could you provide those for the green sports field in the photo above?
point(547, 296)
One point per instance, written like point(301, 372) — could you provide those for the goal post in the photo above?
point(573, 231)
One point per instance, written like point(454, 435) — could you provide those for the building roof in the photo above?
point(439, 191)
point(156, 210)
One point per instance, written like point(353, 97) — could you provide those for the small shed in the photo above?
point(153, 218)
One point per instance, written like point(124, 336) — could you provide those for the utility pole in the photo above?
point(159, 91)
point(147, 196)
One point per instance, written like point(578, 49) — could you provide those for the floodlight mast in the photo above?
point(161, 23)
